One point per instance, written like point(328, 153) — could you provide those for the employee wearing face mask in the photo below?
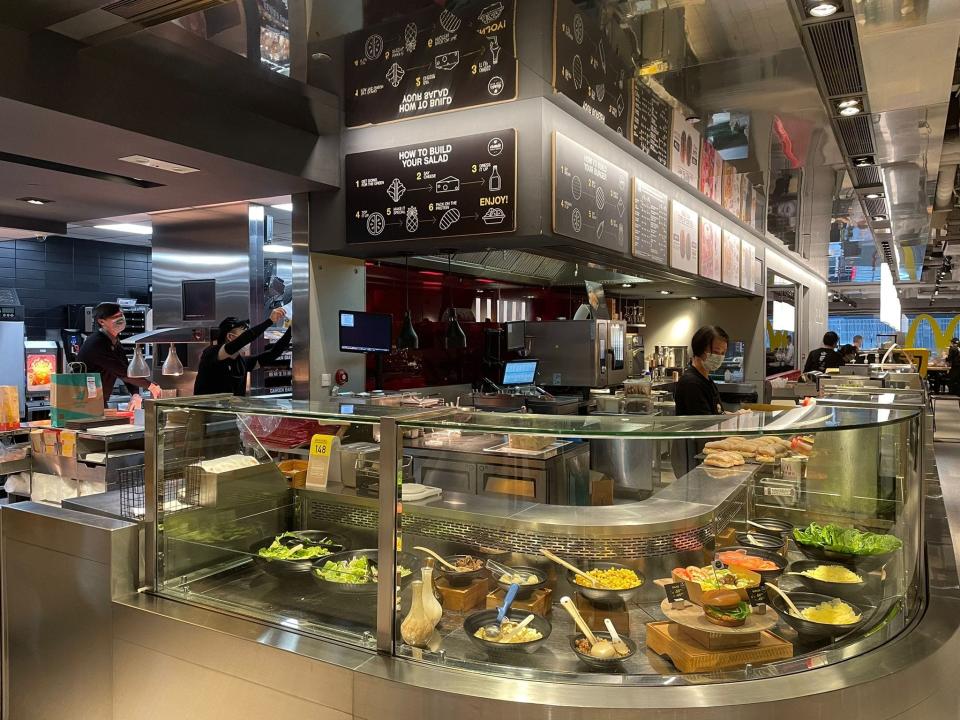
point(224, 366)
point(696, 393)
point(102, 353)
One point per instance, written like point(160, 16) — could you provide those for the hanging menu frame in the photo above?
point(651, 123)
point(588, 70)
point(431, 62)
point(590, 196)
point(454, 187)
point(684, 238)
point(710, 249)
point(651, 223)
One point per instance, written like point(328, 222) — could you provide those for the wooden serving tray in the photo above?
point(462, 599)
point(668, 639)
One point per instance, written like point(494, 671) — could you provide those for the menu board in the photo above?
point(730, 265)
point(731, 189)
point(590, 196)
point(710, 250)
point(432, 61)
point(684, 238)
point(746, 199)
point(760, 211)
point(651, 223)
point(747, 256)
point(650, 123)
point(711, 168)
point(685, 150)
point(587, 69)
point(444, 188)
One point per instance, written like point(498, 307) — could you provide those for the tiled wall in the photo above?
point(59, 271)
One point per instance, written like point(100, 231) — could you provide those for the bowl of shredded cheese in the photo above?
point(820, 616)
point(830, 579)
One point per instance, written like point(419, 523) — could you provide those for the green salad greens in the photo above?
point(846, 540)
point(352, 572)
point(282, 549)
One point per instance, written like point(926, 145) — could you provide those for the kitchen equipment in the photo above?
point(351, 456)
point(568, 566)
point(474, 622)
point(618, 644)
point(491, 631)
point(579, 353)
point(811, 630)
point(846, 591)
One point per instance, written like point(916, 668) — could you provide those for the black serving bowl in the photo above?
point(410, 562)
point(859, 562)
point(600, 595)
point(599, 663)
point(845, 591)
point(525, 591)
point(761, 541)
point(459, 579)
point(335, 543)
point(807, 628)
point(774, 557)
point(772, 526)
point(477, 620)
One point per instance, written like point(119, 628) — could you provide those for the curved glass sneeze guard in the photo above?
point(644, 496)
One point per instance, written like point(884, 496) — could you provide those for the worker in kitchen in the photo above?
point(102, 353)
point(826, 357)
point(696, 393)
point(224, 365)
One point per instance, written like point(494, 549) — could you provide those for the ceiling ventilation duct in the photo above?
point(155, 12)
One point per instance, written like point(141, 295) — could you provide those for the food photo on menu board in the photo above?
point(747, 254)
point(432, 61)
point(587, 68)
point(684, 238)
point(711, 168)
point(730, 264)
point(731, 189)
point(710, 243)
point(685, 150)
point(443, 188)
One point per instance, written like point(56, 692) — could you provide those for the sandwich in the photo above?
point(724, 607)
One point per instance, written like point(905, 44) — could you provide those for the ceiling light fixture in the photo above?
point(127, 229)
point(850, 110)
point(627, 285)
point(879, 218)
point(35, 200)
point(159, 164)
point(288, 207)
point(873, 196)
point(693, 119)
point(863, 161)
point(848, 103)
point(694, 297)
point(666, 292)
point(822, 8)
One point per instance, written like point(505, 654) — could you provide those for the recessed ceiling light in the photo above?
point(627, 285)
point(848, 103)
point(150, 162)
point(849, 111)
point(863, 161)
point(127, 228)
point(873, 196)
point(35, 200)
point(666, 292)
point(879, 218)
point(283, 206)
point(822, 8)
point(277, 249)
point(694, 297)
point(693, 119)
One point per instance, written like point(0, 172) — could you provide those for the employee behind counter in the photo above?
point(225, 365)
point(102, 353)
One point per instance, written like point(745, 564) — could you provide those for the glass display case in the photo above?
point(291, 514)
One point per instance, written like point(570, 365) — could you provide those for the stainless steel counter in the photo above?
point(103, 504)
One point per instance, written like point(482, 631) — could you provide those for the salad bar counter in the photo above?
point(713, 596)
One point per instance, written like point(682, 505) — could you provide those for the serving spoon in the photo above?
point(618, 644)
point(599, 648)
point(491, 631)
point(436, 557)
point(781, 593)
point(517, 628)
point(560, 561)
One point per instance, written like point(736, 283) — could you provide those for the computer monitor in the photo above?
point(520, 372)
point(516, 335)
point(363, 332)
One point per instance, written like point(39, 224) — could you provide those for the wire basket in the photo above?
point(177, 490)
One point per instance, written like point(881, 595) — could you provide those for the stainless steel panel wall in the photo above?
point(200, 244)
point(60, 571)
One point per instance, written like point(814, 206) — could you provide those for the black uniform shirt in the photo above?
point(822, 359)
point(216, 376)
point(101, 355)
point(696, 394)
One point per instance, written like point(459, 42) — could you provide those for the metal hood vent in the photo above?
point(834, 44)
point(154, 12)
point(855, 135)
point(520, 265)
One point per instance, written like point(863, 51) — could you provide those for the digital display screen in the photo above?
point(199, 300)
point(363, 332)
point(520, 372)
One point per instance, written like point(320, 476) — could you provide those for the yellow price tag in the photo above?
point(321, 444)
point(318, 465)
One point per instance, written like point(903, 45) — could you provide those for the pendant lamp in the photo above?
point(456, 337)
point(172, 365)
point(407, 339)
point(138, 367)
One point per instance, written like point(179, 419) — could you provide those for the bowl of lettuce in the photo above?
point(355, 572)
point(294, 553)
point(846, 545)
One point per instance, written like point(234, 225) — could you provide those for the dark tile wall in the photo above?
point(59, 271)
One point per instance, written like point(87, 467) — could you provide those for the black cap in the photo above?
point(228, 324)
